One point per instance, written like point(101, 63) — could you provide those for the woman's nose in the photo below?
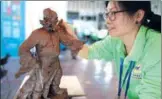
point(108, 21)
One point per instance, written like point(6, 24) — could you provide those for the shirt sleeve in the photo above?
point(101, 50)
point(150, 85)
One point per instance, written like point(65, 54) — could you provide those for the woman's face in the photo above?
point(120, 23)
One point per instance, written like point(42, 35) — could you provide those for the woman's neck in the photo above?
point(129, 39)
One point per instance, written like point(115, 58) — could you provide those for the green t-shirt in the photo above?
point(145, 80)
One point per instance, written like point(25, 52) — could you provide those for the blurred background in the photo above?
point(20, 18)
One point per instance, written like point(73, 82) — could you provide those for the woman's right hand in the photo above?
point(83, 52)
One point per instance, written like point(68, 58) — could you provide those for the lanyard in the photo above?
point(127, 75)
point(120, 76)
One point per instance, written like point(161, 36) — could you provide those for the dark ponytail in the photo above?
point(153, 21)
point(150, 19)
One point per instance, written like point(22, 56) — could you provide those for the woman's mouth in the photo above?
point(110, 29)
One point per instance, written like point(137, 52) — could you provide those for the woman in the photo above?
point(135, 46)
point(44, 70)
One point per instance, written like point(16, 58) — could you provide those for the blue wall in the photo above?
point(12, 26)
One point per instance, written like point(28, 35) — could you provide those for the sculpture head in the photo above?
point(50, 19)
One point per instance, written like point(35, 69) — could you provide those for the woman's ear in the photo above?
point(139, 16)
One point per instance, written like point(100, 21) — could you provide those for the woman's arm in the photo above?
point(99, 50)
point(83, 53)
point(150, 86)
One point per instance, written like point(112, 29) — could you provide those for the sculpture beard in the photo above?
point(50, 20)
point(48, 26)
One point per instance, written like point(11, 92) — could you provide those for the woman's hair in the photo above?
point(150, 19)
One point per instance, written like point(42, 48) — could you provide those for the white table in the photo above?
point(71, 83)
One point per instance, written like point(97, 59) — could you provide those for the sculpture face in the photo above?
point(50, 19)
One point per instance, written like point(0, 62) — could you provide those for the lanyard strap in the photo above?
point(120, 76)
point(127, 75)
point(128, 72)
